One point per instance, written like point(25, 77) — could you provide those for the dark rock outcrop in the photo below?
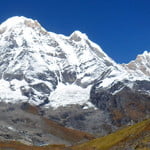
point(123, 103)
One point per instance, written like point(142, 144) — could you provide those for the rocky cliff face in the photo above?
point(123, 103)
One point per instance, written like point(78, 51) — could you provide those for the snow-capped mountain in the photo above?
point(37, 65)
point(71, 74)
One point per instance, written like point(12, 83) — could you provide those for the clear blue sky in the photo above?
point(120, 27)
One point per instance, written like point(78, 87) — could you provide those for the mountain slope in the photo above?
point(23, 122)
point(19, 146)
point(125, 101)
point(134, 137)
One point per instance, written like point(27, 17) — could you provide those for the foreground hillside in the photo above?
point(23, 123)
point(19, 146)
point(135, 137)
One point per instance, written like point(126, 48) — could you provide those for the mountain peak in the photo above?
point(18, 21)
point(146, 53)
point(15, 20)
point(144, 56)
point(78, 36)
point(140, 65)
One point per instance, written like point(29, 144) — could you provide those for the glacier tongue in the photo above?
point(50, 69)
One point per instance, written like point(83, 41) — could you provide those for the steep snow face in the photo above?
point(44, 60)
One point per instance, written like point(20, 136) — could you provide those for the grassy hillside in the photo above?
point(133, 137)
point(71, 135)
point(12, 145)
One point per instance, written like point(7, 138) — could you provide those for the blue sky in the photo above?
point(120, 27)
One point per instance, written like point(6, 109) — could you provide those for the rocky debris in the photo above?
point(23, 122)
point(86, 119)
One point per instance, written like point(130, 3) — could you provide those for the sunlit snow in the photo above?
point(70, 94)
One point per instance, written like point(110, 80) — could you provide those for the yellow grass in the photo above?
point(140, 131)
point(114, 139)
point(13, 145)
